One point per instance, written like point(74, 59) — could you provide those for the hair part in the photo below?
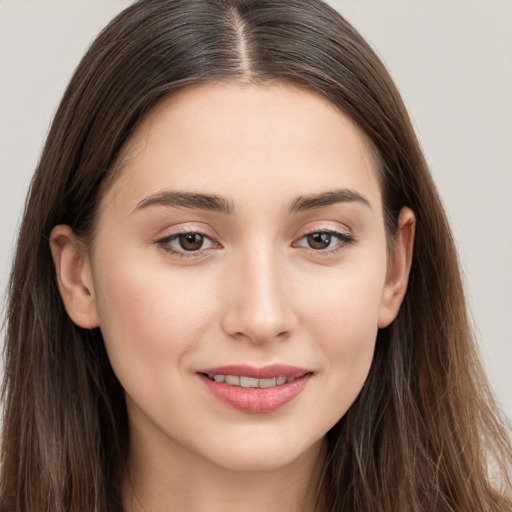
point(418, 436)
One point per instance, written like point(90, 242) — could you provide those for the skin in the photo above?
point(255, 293)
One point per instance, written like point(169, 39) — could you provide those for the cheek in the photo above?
point(148, 314)
point(343, 320)
point(343, 305)
point(350, 332)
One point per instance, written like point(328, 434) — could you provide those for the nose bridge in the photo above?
point(260, 308)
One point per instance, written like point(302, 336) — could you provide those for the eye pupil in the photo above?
point(319, 240)
point(191, 241)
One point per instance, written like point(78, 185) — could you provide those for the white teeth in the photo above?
point(268, 383)
point(248, 382)
point(251, 382)
point(233, 380)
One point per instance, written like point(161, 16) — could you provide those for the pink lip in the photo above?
point(257, 400)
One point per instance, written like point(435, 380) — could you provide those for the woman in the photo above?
point(235, 285)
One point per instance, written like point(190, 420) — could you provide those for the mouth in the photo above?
point(244, 381)
point(255, 390)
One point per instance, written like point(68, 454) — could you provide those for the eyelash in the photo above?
point(164, 243)
point(344, 240)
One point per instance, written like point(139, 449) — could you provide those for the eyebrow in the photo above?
point(192, 200)
point(343, 195)
point(196, 200)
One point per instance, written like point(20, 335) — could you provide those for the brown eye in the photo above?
point(325, 242)
point(187, 243)
point(191, 241)
point(319, 240)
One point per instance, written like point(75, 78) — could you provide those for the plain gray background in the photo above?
point(452, 61)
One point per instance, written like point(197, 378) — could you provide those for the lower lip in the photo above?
point(256, 400)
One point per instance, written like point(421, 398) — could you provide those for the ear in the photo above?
point(74, 277)
point(399, 266)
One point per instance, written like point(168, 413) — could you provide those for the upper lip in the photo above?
point(264, 372)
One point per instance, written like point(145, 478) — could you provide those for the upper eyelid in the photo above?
point(180, 229)
point(297, 237)
point(345, 236)
point(325, 228)
point(174, 236)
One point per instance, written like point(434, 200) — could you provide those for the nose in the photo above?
point(258, 305)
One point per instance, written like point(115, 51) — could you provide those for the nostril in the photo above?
point(258, 321)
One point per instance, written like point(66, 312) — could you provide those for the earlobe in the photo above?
point(398, 268)
point(74, 277)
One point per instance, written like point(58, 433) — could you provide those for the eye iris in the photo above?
point(191, 241)
point(319, 240)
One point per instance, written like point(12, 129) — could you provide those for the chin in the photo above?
point(268, 454)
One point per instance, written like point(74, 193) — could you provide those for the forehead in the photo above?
point(232, 139)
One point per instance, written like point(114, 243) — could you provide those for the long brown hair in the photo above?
point(424, 434)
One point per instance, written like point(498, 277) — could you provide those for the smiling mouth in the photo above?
point(255, 390)
point(251, 382)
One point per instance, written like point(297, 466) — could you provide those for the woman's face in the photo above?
point(245, 230)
